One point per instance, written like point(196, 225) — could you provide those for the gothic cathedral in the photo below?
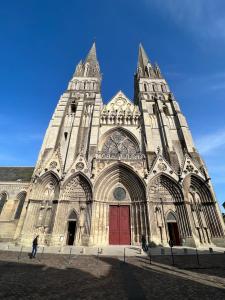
point(109, 173)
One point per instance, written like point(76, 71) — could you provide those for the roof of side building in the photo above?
point(16, 173)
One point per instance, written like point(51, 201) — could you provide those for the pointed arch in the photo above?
point(119, 142)
point(72, 215)
point(47, 187)
point(203, 204)
point(3, 200)
point(194, 183)
point(21, 199)
point(165, 187)
point(109, 132)
point(122, 173)
point(78, 187)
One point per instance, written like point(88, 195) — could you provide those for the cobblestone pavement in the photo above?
point(53, 276)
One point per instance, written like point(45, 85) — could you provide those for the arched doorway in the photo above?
point(172, 227)
point(71, 228)
point(167, 197)
point(77, 195)
point(120, 206)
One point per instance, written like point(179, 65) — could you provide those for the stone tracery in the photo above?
point(77, 188)
point(120, 145)
point(164, 188)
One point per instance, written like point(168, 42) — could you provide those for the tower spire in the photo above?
point(143, 59)
point(92, 55)
point(90, 66)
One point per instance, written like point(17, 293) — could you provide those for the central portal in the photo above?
point(119, 225)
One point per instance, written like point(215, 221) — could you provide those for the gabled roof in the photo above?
point(16, 173)
point(120, 100)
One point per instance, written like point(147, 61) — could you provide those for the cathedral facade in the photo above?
point(109, 173)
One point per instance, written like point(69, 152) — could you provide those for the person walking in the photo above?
point(143, 243)
point(34, 248)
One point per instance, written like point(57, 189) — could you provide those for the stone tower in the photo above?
point(109, 173)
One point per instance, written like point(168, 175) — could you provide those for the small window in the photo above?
point(155, 89)
point(147, 71)
point(73, 108)
point(65, 134)
point(166, 110)
point(145, 87)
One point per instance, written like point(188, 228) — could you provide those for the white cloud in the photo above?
point(208, 143)
point(206, 18)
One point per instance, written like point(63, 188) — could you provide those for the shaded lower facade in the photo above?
point(118, 208)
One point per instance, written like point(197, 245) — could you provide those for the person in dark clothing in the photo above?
point(143, 243)
point(34, 248)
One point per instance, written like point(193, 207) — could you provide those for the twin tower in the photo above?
point(109, 173)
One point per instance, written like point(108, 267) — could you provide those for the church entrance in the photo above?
point(173, 229)
point(174, 233)
point(71, 232)
point(119, 225)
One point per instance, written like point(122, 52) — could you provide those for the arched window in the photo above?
point(147, 71)
point(145, 87)
point(120, 144)
point(73, 108)
point(166, 110)
point(163, 87)
point(3, 199)
point(86, 70)
point(155, 88)
point(21, 199)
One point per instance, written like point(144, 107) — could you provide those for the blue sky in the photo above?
point(42, 41)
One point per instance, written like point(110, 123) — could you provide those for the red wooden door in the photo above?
point(119, 225)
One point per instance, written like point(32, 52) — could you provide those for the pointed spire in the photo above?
point(92, 56)
point(144, 67)
point(143, 59)
point(90, 67)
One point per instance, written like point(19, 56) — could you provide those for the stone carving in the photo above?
point(53, 165)
point(76, 189)
point(190, 168)
point(162, 167)
point(119, 145)
point(163, 188)
point(120, 111)
point(79, 166)
point(49, 191)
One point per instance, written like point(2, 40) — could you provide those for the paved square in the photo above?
point(87, 277)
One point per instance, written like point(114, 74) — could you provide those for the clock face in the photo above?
point(119, 193)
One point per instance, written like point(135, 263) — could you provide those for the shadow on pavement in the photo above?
point(86, 277)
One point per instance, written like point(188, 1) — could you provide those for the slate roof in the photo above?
point(16, 173)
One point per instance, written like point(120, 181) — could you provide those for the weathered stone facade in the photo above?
point(96, 159)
